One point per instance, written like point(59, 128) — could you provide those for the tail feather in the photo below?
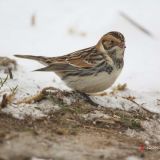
point(30, 57)
point(40, 59)
point(50, 66)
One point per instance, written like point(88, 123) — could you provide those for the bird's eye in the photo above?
point(111, 41)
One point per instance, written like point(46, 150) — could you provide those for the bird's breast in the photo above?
point(93, 83)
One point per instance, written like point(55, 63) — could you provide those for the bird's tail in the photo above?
point(58, 68)
point(40, 59)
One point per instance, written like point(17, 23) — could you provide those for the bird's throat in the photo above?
point(119, 62)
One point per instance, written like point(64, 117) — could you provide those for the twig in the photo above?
point(38, 97)
point(51, 91)
point(14, 89)
point(2, 82)
point(132, 99)
point(137, 25)
point(7, 99)
point(4, 101)
point(10, 73)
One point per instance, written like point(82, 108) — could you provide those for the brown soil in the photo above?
point(67, 135)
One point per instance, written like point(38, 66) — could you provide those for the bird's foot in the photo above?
point(86, 98)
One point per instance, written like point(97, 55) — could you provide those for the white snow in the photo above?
point(147, 100)
point(65, 26)
point(26, 87)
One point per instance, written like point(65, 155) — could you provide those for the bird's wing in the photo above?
point(82, 59)
point(85, 58)
point(58, 67)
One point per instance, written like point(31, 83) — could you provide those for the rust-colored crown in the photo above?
point(118, 35)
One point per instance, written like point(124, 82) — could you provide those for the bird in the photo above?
point(90, 70)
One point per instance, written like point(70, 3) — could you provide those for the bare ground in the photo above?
point(75, 132)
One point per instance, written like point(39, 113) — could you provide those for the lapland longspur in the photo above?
point(89, 70)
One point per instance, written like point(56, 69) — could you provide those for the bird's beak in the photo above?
point(122, 46)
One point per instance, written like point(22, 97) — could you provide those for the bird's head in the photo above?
point(112, 43)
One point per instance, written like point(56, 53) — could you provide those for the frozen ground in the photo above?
point(63, 26)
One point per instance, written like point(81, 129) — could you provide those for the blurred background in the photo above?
point(57, 27)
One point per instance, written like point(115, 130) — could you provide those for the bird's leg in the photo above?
point(87, 98)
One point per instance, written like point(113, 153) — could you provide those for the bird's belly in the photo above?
point(92, 83)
